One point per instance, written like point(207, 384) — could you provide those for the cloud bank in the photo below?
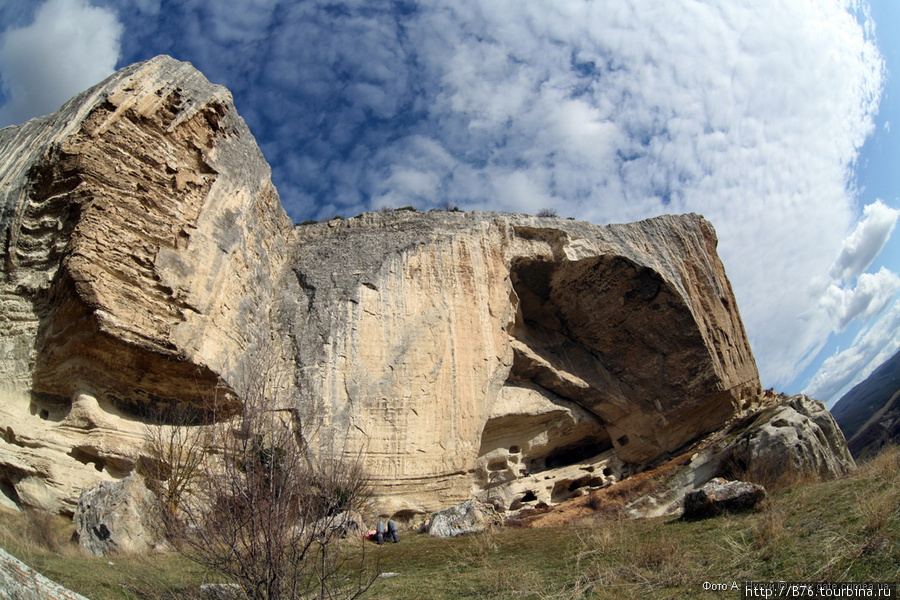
point(752, 113)
point(69, 47)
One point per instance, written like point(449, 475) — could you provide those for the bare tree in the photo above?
point(175, 455)
point(265, 511)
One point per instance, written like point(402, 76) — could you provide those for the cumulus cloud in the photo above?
point(872, 295)
point(69, 47)
point(866, 241)
point(853, 295)
point(872, 347)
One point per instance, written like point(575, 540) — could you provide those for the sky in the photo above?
point(778, 120)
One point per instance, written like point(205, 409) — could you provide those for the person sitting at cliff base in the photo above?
point(384, 531)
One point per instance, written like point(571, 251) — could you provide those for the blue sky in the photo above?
point(776, 120)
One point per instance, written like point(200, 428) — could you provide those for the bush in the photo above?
point(263, 511)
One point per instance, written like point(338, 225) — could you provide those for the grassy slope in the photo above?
point(847, 530)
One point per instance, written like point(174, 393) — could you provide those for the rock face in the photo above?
point(776, 442)
point(148, 264)
point(142, 240)
point(488, 354)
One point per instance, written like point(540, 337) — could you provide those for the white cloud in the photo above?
point(845, 369)
point(871, 297)
point(866, 241)
point(69, 47)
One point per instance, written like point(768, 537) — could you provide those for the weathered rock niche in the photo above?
point(147, 264)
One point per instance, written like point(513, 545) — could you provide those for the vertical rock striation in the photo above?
point(513, 356)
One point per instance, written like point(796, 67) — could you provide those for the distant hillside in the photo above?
point(869, 414)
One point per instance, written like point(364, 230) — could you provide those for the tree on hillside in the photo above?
point(262, 509)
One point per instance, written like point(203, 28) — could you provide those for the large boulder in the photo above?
point(143, 243)
point(510, 352)
point(118, 517)
point(468, 517)
point(720, 496)
point(796, 439)
point(18, 581)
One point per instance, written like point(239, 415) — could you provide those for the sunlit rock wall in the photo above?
point(509, 356)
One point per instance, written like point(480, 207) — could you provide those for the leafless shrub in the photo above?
point(547, 212)
point(263, 510)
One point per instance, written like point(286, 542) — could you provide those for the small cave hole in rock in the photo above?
point(514, 450)
point(622, 440)
point(45, 414)
point(8, 489)
point(565, 489)
point(87, 456)
point(570, 455)
point(497, 465)
point(406, 516)
point(607, 471)
point(528, 497)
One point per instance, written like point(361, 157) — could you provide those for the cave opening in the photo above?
point(570, 455)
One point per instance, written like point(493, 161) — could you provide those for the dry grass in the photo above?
point(479, 549)
point(769, 529)
point(847, 530)
point(884, 466)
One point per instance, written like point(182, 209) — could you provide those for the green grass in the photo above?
point(846, 530)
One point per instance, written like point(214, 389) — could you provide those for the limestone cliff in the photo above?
point(474, 350)
point(141, 241)
point(148, 263)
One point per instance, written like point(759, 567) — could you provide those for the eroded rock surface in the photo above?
point(514, 357)
point(776, 442)
point(18, 581)
point(142, 238)
point(796, 438)
point(468, 517)
point(147, 263)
